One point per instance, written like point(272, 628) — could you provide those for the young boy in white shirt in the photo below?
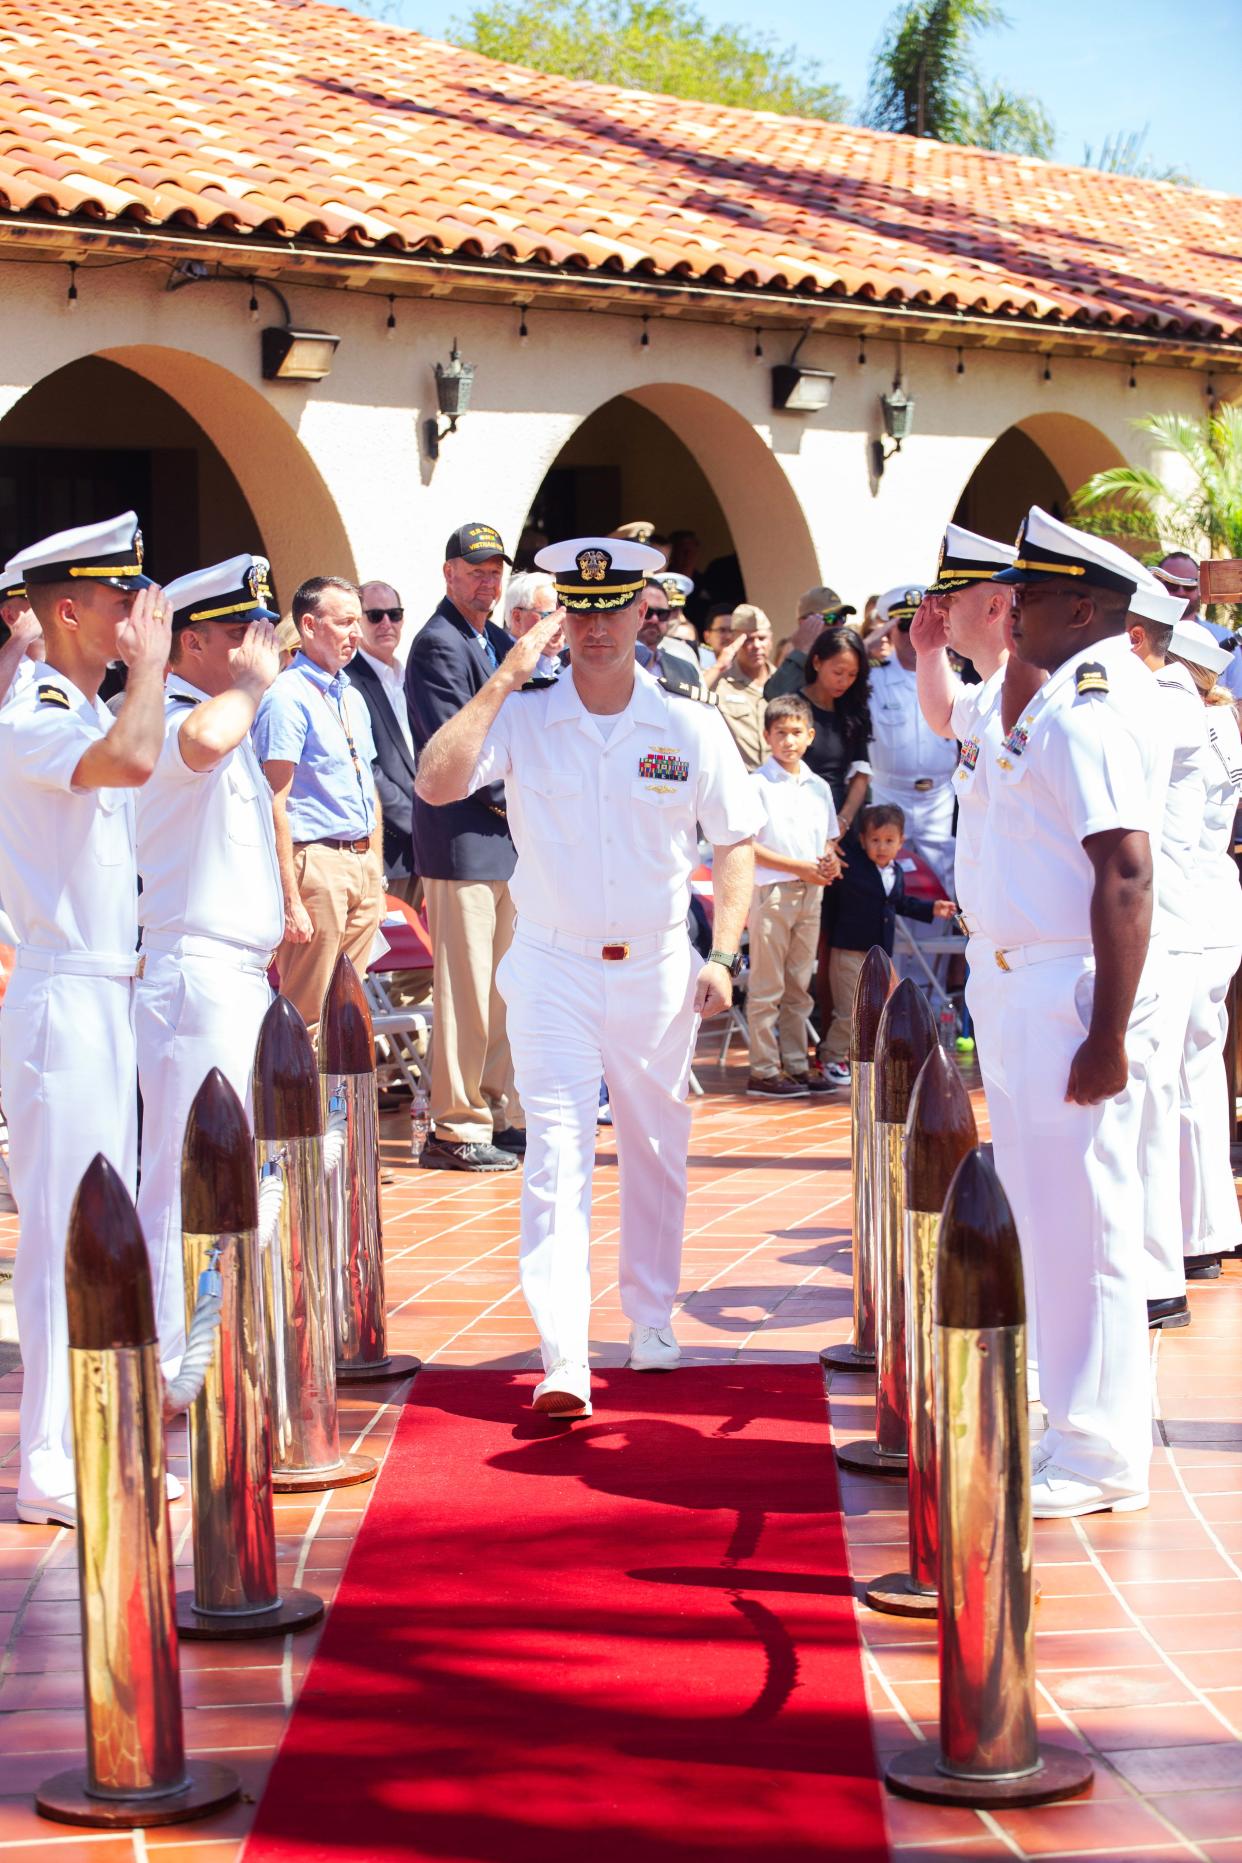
point(794, 860)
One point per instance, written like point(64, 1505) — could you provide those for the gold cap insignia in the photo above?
point(593, 565)
point(257, 581)
point(138, 547)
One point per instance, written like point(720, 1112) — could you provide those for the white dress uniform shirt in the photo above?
point(392, 685)
point(977, 727)
point(212, 914)
point(600, 977)
point(911, 765)
point(68, 880)
point(1075, 764)
point(606, 832)
point(801, 818)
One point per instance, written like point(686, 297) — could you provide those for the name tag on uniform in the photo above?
point(664, 766)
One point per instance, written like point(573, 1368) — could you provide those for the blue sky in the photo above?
point(1098, 66)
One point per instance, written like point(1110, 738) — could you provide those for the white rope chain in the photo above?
point(180, 1392)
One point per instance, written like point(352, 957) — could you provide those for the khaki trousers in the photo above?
point(843, 969)
point(784, 931)
point(344, 894)
point(407, 986)
point(472, 1092)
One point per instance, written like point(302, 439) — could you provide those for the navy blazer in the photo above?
point(393, 769)
point(466, 840)
point(858, 912)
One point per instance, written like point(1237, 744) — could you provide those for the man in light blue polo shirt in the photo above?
point(313, 735)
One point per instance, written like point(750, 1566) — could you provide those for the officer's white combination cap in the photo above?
point(675, 586)
point(1191, 641)
point(109, 552)
point(967, 557)
point(1152, 603)
point(236, 590)
point(598, 573)
point(1047, 548)
point(899, 603)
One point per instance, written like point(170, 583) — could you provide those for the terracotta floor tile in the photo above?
point(1172, 1768)
point(1120, 1825)
point(1194, 1632)
point(1114, 1688)
point(1203, 1815)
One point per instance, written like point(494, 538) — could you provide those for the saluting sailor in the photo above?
point(607, 773)
point(211, 909)
point(1076, 796)
point(70, 885)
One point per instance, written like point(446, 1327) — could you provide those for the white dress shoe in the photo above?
point(61, 1510)
point(653, 1348)
point(1056, 1494)
point(565, 1391)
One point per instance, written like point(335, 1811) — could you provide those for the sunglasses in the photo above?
point(376, 615)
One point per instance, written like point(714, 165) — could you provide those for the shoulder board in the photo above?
point(181, 698)
point(537, 685)
point(48, 694)
point(1090, 677)
point(684, 689)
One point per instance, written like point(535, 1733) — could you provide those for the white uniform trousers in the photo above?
point(191, 1013)
point(984, 986)
point(1160, 1140)
point(929, 823)
point(1210, 1220)
point(67, 1077)
point(1074, 1174)
point(572, 1017)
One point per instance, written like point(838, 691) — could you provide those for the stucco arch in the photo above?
point(1039, 459)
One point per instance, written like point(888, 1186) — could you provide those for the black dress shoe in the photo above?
point(511, 1138)
point(1203, 1267)
point(440, 1155)
point(1175, 1311)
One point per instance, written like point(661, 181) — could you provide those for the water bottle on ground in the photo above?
point(420, 1121)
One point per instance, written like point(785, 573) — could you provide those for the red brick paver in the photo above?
point(1139, 1634)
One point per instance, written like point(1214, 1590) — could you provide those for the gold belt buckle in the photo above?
point(615, 953)
point(923, 782)
point(1002, 962)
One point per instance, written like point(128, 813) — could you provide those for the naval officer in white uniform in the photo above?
point(1075, 803)
point(607, 775)
point(211, 908)
point(911, 764)
point(70, 885)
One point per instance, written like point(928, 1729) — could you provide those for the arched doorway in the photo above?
point(1038, 461)
point(685, 460)
point(206, 460)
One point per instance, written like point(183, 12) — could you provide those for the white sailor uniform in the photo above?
point(69, 883)
point(1210, 1219)
point(212, 916)
point(1177, 935)
point(1077, 763)
point(912, 765)
point(600, 977)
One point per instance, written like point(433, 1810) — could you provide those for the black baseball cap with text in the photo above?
point(475, 543)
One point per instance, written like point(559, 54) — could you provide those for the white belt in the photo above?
point(76, 963)
point(914, 785)
point(220, 950)
point(1018, 956)
point(611, 950)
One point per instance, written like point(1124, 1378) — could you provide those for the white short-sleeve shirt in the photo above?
point(1183, 716)
point(606, 832)
point(978, 729)
point(67, 871)
point(800, 817)
point(1075, 763)
point(1218, 893)
point(206, 843)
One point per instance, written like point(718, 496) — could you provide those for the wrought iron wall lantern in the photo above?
point(454, 385)
point(897, 408)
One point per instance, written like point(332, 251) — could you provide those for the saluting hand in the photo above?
point(524, 656)
point(144, 638)
point(929, 629)
point(26, 630)
point(255, 661)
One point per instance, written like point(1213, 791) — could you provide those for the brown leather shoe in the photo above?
point(775, 1087)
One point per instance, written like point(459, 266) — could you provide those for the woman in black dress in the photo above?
point(836, 690)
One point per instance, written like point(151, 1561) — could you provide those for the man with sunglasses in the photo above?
point(378, 671)
point(818, 608)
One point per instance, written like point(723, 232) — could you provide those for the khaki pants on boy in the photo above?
point(472, 1092)
point(784, 931)
point(343, 892)
point(843, 969)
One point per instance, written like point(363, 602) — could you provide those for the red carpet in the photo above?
point(628, 1640)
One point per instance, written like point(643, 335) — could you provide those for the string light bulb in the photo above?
point(523, 332)
point(1209, 389)
point(390, 326)
point(1047, 368)
point(1133, 377)
point(758, 344)
point(644, 341)
point(253, 306)
point(961, 366)
point(862, 351)
point(71, 296)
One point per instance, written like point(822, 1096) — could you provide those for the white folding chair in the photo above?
point(401, 1030)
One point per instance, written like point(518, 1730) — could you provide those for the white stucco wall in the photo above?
point(337, 479)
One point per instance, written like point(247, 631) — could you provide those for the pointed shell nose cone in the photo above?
point(905, 1038)
point(940, 1130)
point(872, 991)
point(107, 1274)
point(978, 1264)
point(346, 1044)
point(219, 1187)
point(286, 1079)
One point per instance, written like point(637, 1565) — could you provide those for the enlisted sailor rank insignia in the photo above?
point(593, 565)
point(1090, 677)
point(49, 694)
point(664, 766)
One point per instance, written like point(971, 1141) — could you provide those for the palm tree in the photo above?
point(923, 82)
point(1205, 504)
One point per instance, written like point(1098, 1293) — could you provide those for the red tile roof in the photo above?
point(292, 118)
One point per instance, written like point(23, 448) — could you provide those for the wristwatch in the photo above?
point(731, 960)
